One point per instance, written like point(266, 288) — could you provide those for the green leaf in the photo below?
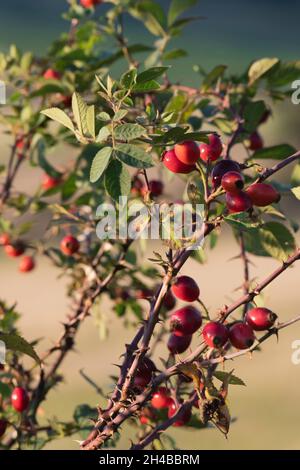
point(152, 15)
point(296, 191)
point(16, 343)
point(103, 116)
point(146, 87)
point(129, 131)
point(175, 54)
point(5, 391)
point(277, 240)
point(59, 116)
point(48, 89)
point(43, 162)
point(80, 108)
point(90, 121)
point(252, 114)
point(83, 417)
point(277, 152)
point(104, 133)
point(150, 74)
point(178, 7)
point(100, 163)
point(117, 180)
point(128, 78)
point(260, 67)
point(295, 178)
point(216, 73)
point(233, 380)
point(120, 115)
point(133, 156)
point(240, 221)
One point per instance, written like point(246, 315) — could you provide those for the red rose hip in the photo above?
point(260, 318)
point(173, 164)
point(215, 334)
point(262, 194)
point(20, 399)
point(211, 151)
point(156, 188)
point(49, 182)
point(14, 250)
point(232, 182)
point(255, 141)
point(90, 3)
point(69, 245)
point(240, 202)
point(161, 398)
point(185, 288)
point(27, 264)
point(220, 169)
point(184, 417)
point(169, 301)
point(185, 321)
point(51, 74)
point(241, 335)
point(4, 239)
point(187, 152)
point(179, 344)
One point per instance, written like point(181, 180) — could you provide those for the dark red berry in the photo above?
point(143, 294)
point(183, 419)
point(3, 427)
point(51, 74)
point(232, 182)
point(240, 202)
point(161, 398)
point(262, 194)
point(137, 186)
point(147, 416)
point(241, 335)
point(142, 379)
point(185, 288)
point(156, 188)
point(255, 141)
point(260, 318)
point(179, 344)
point(173, 164)
point(14, 250)
point(220, 169)
point(187, 152)
point(27, 264)
point(49, 182)
point(20, 399)
point(4, 239)
point(215, 334)
point(169, 301)
point(69, 245)
point(90, 3)
point(211, 151)
point(185, 321)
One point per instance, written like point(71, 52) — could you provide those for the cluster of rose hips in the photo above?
point(154, 187)
point(16, 249)
point(20, 402)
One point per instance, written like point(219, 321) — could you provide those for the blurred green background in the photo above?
point(268, 411)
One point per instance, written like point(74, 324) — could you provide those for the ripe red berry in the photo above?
point(143, 294)
point(233, 182)
point(215, 334)
point(174, 164)
point(49, 182)
point(161, 398)
point(211, 151)
point(3, 426)
point(51, 74)
point(142, 379)
point(185, 288)
point(185, 321)
point(183, 419)
point(156, 188)
point(147, 416)
point(14, 250)
point(240, 202)
point(4, 239)
point(90, 3)
point(262, 194)
point(169, 301)
point(27, 264)
point(255, 141)
point(178, 344)
point(260, 318)
point(241, 335)
point(20, 399)
point(137, 186)
point(187, 152)
point(220, 169)
point(69, 245)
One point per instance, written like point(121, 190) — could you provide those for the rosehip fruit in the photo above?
point(215, 334)
point(51, 74)
point(255, 141)
point(14, 250)
point(27, 264)
point(241, 335)
point(142, 379)
point(179, 344)
point(174, 164)
point(3, 426)
point(20, 399)
point(187, 152)
point(262, 194)
point(232, 182)
point(147, 415)
point(169, 301)
point(161, 398)
point(90, 3)
point(156, 188)
point(49, 182)
point(185, 321)
point(183, 419)
point(238, 202)
point(137, 186)
point(211, 151)
point(185, 288)
point(4, 239)
point(143, 294)
point(220, 169)
point(260, 318)
point(69, 245)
